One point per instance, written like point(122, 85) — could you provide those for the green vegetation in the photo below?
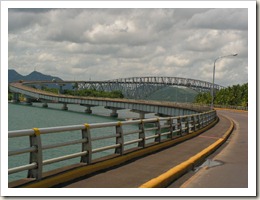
point(175, 94)
point(10, 96)
point(237, 95)
point(52, 90)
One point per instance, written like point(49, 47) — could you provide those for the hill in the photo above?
point(34, 76)
point(171, 93)
point(14, 76)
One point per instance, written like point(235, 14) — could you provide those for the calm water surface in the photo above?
point(27, 117)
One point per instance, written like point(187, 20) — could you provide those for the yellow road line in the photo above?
point(165, 179)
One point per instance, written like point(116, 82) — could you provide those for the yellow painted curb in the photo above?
point(165, 179)
point(91, 168)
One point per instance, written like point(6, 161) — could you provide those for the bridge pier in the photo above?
point(88, 109)
point(141, 113)
point(64, 107)
point(45, 105)
point(16, 98)
point(114, 112)
point(28, 101)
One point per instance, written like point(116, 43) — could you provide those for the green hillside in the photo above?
point(171, 93)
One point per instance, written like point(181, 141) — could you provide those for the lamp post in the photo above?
point(212, 88)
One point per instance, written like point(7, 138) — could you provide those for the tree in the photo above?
point(236, 95)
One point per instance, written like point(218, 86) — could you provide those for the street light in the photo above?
point(212, 88)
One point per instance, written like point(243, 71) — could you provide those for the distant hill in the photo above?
point(14, 76)
point(34, 76)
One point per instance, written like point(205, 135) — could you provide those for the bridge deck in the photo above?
point(137, 172)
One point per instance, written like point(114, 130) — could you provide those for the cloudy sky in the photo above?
point(103, 44)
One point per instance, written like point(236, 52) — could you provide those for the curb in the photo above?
point(174, 173)
point(92, 168)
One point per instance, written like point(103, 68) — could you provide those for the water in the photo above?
point(27, 117)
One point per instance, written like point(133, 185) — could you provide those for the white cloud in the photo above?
point(223, 19)
point(105, 44)
point(46, 57)
point(176, 60)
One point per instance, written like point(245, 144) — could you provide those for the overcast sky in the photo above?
point(103, 44)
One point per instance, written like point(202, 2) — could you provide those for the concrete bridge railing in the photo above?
point(143, 133)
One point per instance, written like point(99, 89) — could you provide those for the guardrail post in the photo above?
point(36, 156)
point(186, 124)
point(207, 118)
point(141, 135)
point(171, 128)
point(158, 131)
point(193, 123)
point(86, 146)
point(119, 139)
point(202, 122)
point(198, 122)
point(179, 126)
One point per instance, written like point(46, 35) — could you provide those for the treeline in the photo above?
point(89, 93)
point(236, 95)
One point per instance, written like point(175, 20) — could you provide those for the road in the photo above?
point(229, 167)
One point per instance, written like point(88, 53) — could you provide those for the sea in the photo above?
point(21, 116)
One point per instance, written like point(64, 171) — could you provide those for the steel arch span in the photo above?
point(141, 87)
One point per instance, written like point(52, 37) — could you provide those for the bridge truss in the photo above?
point(141, 87)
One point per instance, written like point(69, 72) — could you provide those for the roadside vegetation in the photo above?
point(236, 95)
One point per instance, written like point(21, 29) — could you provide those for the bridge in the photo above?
point(221, 145)
point(199, 129)
point(141, 87)
point(140, 106)
point(135, 87)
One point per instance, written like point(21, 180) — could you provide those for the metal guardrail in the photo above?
point(164, 129)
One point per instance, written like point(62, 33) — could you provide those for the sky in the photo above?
point(110, 43)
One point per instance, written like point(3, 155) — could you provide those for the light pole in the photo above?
point(212, 88)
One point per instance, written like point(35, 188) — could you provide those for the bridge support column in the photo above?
point(88, 110)
point(141, 113)
point(45, 105)
point(28, 101)
point(114, 112)
point(64, 107)
point(16, 98)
